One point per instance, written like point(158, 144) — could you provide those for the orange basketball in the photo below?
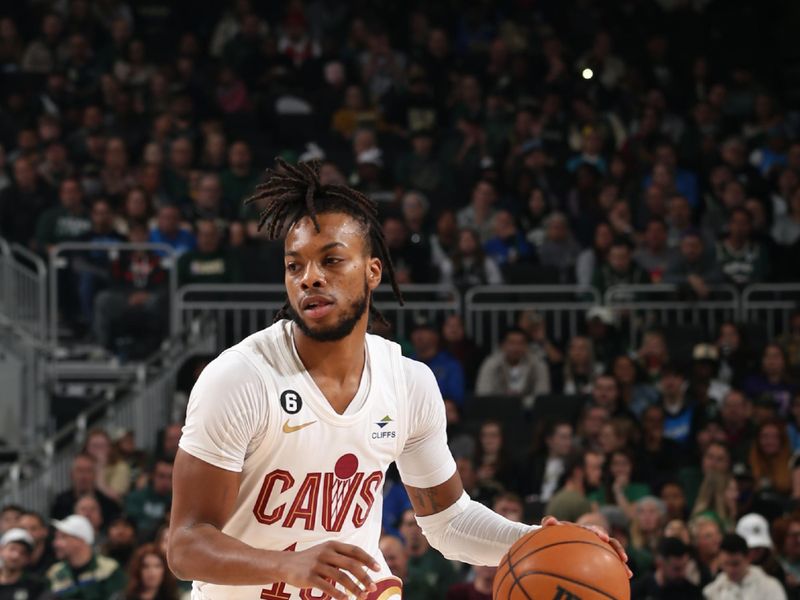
point(561, 562)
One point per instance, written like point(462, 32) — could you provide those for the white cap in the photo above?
point(755, 530)
point(77, 526)
point(19, 535)
point(600, 312)
point(371, 156)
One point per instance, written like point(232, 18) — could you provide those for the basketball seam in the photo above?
point(575, 581)
point(516, 579)
point(532, 552)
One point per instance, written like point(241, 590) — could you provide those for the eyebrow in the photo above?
point(325, 248)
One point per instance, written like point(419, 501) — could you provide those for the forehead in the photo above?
point(334, 228)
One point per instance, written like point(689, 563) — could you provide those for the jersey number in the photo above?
point(277, 591)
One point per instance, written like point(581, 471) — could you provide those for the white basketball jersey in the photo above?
point(316, 475)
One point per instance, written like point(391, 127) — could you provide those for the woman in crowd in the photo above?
point(148, 576)
point(113, 473)
point(618, 486)
point(769, 458)
point(718, 499)
point(636, 394)
point(492, 458)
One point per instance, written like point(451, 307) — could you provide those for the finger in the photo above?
point(358, 554)
point(325, 586)
point(598, 532)
point(339, 576)
point(354, 568)
point(549, 521)
point(619, 549)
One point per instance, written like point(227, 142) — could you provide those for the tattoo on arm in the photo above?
point(427, 498)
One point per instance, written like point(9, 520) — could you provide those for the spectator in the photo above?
point(423, 561)
point(492, 456)
point(468, 266)
point(715, 458)
point(412, 261)
point(773, 381)
point(706, 539)
point(559, 248)
point(539, 474)
point(673, 578)
point(742, 260)
point(693, 270)
point(790, 552)
point(447, 370)
point(208, 262)
point(618, 486)
point(149, 506)
point(675, 502)
point(634, 392)
point(509, 505)
point(168, 231)
point(137, 288)
point(590, 259)
point(42, 555)
point(207, 201)
point(786, 231)
point(114, 474)
point(754, 528)
point(508, 246)
point(590, 425)
point(480, 588)
point(27, 190)
point(176, 176)
point(654, 255)
point(681, 414)
point(582, 474)
point(733, 355)
point(648, 521)
point(769, 458)
point(149, 577)
point(16, 546)
point(618, 269)
point(396, 554)
point(793, 427)
point(480, 212)
point(87, 506)
point(513, 370)
point(606, 393)
point(461, 347)
point(65, 222)
point(717, 498)
point(739, 578)
point(121, 541)
point(83, 476)
point(82, 573)
point(789, 342)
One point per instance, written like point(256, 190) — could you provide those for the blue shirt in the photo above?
point(449, 375)
point(182, 242)
point(685, 183)
point(678, 427)
point(503, 251)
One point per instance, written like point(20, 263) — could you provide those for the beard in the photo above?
point(340, 330)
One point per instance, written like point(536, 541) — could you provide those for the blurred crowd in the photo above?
point(517, 141)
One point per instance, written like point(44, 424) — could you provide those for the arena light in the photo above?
point(587, 73)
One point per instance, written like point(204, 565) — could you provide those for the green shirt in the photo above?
point(101, 579)
point(236, 189)
point(148, 509)
point(60, 225)
point(216, 267)
point(431, 570)
point(632, 491)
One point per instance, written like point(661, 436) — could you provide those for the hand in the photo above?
point(699, 286)
point(550, 521)
point(321, 565)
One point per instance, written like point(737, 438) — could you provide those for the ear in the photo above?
point(374, 272)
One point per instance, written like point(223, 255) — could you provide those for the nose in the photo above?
point(312, 276)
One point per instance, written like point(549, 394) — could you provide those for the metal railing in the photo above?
point(241, 309)
point(60, 255)
point(23, 290)
point(641, 307)
point(144, 407)
point(488, 310)
point(771, 305)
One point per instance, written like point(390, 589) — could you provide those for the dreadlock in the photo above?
point(290, 192)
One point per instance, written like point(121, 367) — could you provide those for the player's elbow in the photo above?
point(178, 554)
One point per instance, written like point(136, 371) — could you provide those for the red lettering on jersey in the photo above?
point(330, 521)
point(270, 480)
point(277, 591)
point(304, 506)
point(308, 594)
point(368, 489)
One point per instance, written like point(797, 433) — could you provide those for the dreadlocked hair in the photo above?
point(290, 192)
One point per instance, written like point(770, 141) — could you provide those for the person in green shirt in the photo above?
point(618, 488)
point(148, 507)
point(82, 574)
point(582, 472)
point(396, 555)
point(425, 563)
point(208, 263)
point(239, 180)
point(65, 222)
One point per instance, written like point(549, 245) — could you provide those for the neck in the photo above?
point(10, 575)
point(80, 559)
point(575, 485)
point(349, 353)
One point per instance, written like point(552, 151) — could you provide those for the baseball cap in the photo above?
point(371, 156)
point(705, 352)
point(18, 535)
point(600, 312)
point(77, 526)
point(755, 530)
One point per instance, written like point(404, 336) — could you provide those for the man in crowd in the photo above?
point(16, 582)
point(740, 579)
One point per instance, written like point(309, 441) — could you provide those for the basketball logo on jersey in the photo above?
point(321, 499)
point(291, 402)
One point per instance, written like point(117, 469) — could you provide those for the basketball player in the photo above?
point(278, 480)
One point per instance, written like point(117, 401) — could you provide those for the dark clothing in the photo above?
point(18, 224)
point(649, 589)
point(215, 267)
point(466, 591)
point(28, 587)
point(64, 505)
point(101, 579)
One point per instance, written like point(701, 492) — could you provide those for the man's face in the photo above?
point(674, 567)
point(83, 474)
point(209, 193)
point(691, 248)
point(412, 533)
point(121, 533)
point(791, 546)
point(162, 479)
point(395, 555)
point(425, 342)
point(680, 213)
point(655, 235)
point(329, 275)
point(66, 546)
point(15, 556)
point(102, 217)
point(707, 539)
point(605, 392)
point(593, 469)
point(735, 409)
point(671, 384)
point(70, 194)
point(673, 497)
point(34, 527)
point(169, 218)
point(207, 237)
point(509, 509)
point(514, 347)
point(89, 507)
point(560, 442)
point(619, 258)
point(739, 226)
point(734, 565)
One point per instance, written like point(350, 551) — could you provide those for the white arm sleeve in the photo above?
point(227, 412)
point(425, 460)
point(469, 532)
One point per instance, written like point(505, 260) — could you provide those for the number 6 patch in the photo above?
point(291, 402)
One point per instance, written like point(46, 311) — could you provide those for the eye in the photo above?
point(332, 260)
point(291, 267)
